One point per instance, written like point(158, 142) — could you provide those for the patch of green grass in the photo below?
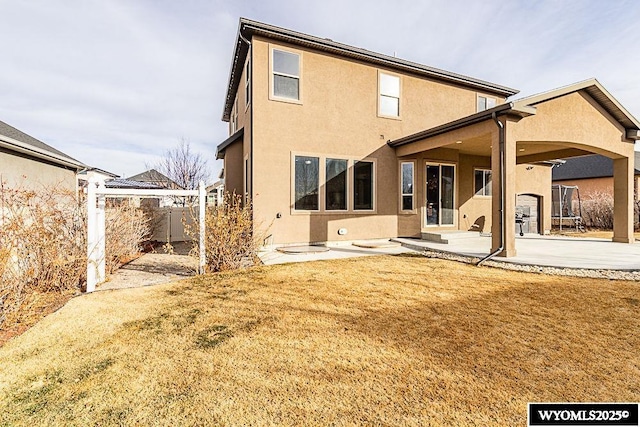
point(213, 336)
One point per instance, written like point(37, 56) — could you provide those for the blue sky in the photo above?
point(115, 83)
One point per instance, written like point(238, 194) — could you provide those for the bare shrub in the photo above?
point(231, 240)
point(43, 243)
point(42, 236)
point(597, 211)
point(126, 227)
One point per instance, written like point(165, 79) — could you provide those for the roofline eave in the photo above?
point(247, 28)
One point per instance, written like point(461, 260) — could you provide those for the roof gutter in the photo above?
point(502, 190)
point(20, 147)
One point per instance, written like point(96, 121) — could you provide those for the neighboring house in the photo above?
point(593, 175)
point(158, 180)
point(152, 176)
point(96, 174)
point(151, 202)
point(28, 163)
point(215, 193)
point(336, 143)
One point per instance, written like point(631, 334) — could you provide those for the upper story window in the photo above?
point(389, 95)
point(286, 74)
point(247, 83)
point(485, 102)
point(234, 116)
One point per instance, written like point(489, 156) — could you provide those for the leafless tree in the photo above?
point(183, 166)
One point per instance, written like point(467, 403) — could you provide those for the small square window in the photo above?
point(482, 182)
point(485, 103)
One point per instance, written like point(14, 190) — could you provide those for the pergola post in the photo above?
point(623, 200)
point(100, 234)
point(202, 202)
point(92, 264)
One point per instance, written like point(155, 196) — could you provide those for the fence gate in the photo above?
point(96, 243)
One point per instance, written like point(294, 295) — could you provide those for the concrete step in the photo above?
point(447, 236)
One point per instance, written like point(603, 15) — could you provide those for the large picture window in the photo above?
point(336, 184)
point(406, 171)
point(363, 185)
point(286, 74)
point(307, 179)
point(482, 182)
point(389, 102)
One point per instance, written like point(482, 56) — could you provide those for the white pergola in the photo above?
point(96, 243)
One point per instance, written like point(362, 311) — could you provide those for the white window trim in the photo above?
point(247, 82)
point(322, 179)
point(455, 196)
point(234, 116)
point(487, 97)
point(481, 196)
point(402, 195)
point(399, 116)
point(272, 96)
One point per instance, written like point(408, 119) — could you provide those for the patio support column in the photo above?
point(507, 215)
point(623, 200)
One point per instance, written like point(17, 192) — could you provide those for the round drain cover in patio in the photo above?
point(302, 249)
point(377, 244)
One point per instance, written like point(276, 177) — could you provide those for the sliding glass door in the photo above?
point(440, 195)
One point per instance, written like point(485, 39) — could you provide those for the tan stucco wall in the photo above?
point(337, 117)
point(591, 187)
point(233, 169)
point(536, 180)
point(26, 173)
point(574, 120)
point(474, 209)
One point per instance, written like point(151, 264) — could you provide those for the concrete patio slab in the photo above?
point(336, 252)
point(548, 251)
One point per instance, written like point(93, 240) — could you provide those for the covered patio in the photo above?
point(546, 251)
point(518, 136)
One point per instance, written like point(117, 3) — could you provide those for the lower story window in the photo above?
point(363, 185)
point(482, 182)
point(307, 179)
point(336, 186)
point(407, 185)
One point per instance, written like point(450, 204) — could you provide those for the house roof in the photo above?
point(153, 175)
point(599, 94)
point(248, 28)
point(129, 184)
point(100, 171)
point(526, 107)
point(18, 141)
point(593, 166)
point(227, 142)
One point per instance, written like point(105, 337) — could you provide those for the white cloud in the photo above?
point(116, 83)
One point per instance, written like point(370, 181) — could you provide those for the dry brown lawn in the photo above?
point(399, 340)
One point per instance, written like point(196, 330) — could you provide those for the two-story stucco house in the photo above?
point(335, 143)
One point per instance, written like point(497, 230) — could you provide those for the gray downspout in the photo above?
point(502, 190)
